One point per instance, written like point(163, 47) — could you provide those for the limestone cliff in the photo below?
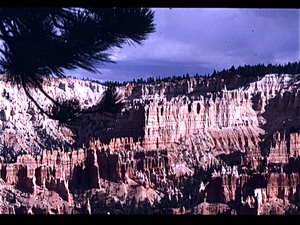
point(249, 126)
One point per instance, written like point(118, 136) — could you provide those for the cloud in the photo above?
point(201, 40)
point(202, 34)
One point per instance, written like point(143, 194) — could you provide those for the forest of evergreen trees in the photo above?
point(260, 70)
point(244, 71)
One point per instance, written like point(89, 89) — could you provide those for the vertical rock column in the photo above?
point(92, 169)
point(26, 173)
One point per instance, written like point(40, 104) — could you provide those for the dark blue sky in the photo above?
point(199, 40)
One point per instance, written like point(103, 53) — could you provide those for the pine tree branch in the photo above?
point(34, 101)
point(40, 43)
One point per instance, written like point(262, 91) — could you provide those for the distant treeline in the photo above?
point(260, 70)
point(244, 71)
point(149, 80)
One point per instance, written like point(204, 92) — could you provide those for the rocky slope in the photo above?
point(248, 126)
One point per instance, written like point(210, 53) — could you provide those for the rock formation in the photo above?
point(250, 127)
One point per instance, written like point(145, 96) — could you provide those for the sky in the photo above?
point(200, 40)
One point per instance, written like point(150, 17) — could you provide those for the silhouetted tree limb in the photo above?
point(43, 42)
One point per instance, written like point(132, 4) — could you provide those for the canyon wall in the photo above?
point(223, 115)
point(58, 171)
point(249, 126)
point(254, 193)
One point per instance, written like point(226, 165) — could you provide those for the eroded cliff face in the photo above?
point(225, 119)
point(258, 118)
point(249, 126)
point(202, 113)
point(25, 129)
point(63, 174)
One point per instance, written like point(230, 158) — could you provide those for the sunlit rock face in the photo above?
point(25, 128)
point(224, 119)
point(223, 115)
point(249, 126)
point(257, 117)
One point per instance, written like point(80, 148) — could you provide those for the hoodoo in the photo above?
point(243, 134)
